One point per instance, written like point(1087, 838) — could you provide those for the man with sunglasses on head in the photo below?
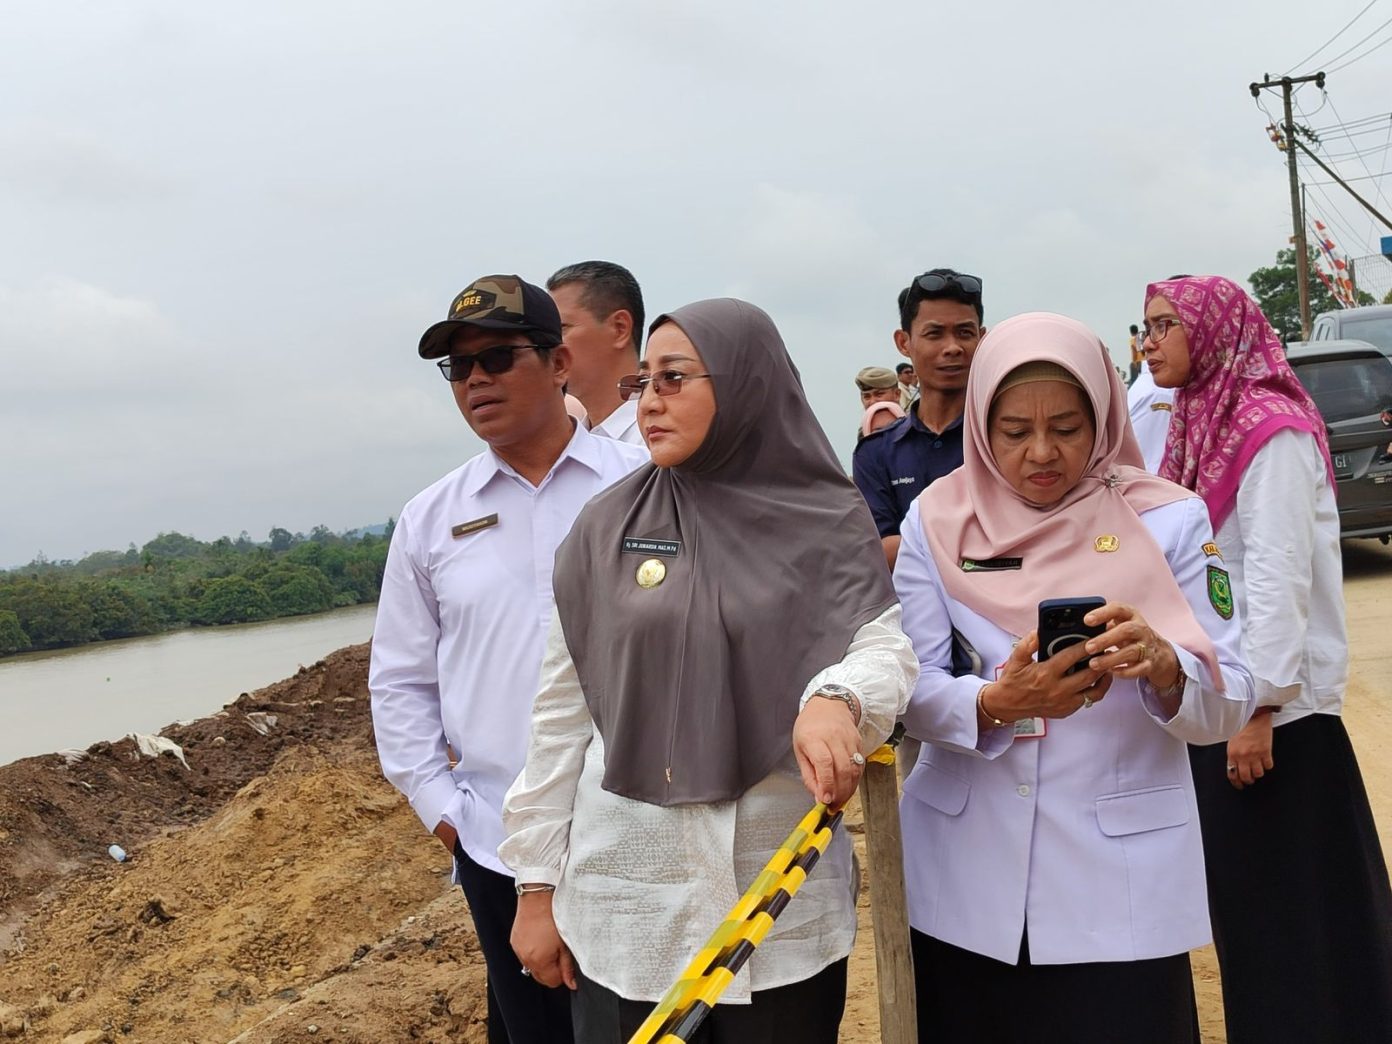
point(456, 652)
point(940, 325)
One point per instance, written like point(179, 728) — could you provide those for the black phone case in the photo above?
point(1061, 626)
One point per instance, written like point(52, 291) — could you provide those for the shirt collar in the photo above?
point(583, 448)
point(902, 430)
point(617, 423)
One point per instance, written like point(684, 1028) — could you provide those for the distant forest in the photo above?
point(178, 581)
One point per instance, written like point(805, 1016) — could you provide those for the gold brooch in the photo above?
point(651, 573)
point(1106, 543)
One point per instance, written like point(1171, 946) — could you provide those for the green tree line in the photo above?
point(178, 581)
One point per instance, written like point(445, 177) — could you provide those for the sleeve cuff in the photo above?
point(1271, 695)
point(435, 801)
point(1164, 709)
point(537, 875)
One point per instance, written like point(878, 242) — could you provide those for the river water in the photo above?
point(74, 697)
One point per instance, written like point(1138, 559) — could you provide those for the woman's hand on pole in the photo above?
point(827, 742)
point(1026, 689)
point(1136, 651)
point(537, 943)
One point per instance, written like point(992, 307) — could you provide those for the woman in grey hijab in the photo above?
point(726, 647)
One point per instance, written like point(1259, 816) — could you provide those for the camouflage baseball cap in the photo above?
point(496, 302)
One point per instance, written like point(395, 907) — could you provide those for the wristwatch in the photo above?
point(832, 691)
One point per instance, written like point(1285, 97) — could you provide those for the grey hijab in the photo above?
point(771, 566)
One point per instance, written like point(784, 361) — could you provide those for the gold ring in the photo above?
point(1145, 652)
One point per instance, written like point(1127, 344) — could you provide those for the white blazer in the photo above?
point(1089, 836)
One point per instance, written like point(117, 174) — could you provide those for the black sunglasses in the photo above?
point(932, 283)
point(495, 360)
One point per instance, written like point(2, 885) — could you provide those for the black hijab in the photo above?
point(771, 565)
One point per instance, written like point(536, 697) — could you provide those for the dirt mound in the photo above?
point(279, 864)
point(56, 818)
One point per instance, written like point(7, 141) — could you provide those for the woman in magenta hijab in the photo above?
point(1302, 911)
point(1051, 840)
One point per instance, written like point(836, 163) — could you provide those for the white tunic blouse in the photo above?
point(1281, 542)
point(640, 887)
point(1088, 836)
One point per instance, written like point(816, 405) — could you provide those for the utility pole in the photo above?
point(1302, 251)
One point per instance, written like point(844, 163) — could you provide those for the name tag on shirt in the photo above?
point(990, 565)
point(465, 528)
point(647, 546)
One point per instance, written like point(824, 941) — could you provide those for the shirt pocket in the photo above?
point(937, 788)
point(1137, 811)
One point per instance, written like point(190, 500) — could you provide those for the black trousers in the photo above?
point(520, 1009)
point(967, 998)
point(1298, 892)
point(807, 1012)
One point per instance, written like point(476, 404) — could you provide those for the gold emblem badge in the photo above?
point(1106, 543)
point(651, 573)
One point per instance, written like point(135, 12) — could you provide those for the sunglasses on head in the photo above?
point(932, 282)
point(495, 360)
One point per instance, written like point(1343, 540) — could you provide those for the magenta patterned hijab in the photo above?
point(1240, 392)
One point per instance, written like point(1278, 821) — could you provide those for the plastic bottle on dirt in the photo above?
point(117, 853)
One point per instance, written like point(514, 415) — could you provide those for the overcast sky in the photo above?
point(225, 226)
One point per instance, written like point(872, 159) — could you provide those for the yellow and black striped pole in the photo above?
point(693, 995)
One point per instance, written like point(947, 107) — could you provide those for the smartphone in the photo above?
point(1061, 626)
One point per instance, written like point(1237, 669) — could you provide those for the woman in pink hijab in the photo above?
point(1302, 910)
point(1052, 848)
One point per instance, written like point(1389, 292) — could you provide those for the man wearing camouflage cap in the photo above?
point(456, 652)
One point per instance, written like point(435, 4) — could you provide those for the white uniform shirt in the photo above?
point(1088, 835)
point(641, 887)
point(1281, 543)
point(460, 627)
point(1150, 407)
point(622, 425)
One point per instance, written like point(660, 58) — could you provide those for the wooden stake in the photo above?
point(889, 908)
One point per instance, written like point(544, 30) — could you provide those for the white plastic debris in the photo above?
point(261, 721)
point(72, 755)
point(153, 746)
point(117, 853)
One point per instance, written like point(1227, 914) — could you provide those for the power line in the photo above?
point(1362, 121)
point(1330, 209)
point(1359, 44)
point(1370, 177)
point(1360, 57)
point(1357, 153)
point(1326, 43)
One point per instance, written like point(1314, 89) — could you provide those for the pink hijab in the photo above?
point(892, 408)
point(974, 514)
point(1241, 391)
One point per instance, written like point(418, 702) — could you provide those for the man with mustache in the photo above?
point(456, 653)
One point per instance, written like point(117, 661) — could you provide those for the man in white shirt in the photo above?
point(1150, 407)
point(456, 652)
point(601, 308)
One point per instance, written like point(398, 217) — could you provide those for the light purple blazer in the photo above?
point(1090, 835)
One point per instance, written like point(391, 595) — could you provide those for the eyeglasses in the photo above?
point(495, 360)
point(933, 282)
point(666, 382)
point(1155, 332)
